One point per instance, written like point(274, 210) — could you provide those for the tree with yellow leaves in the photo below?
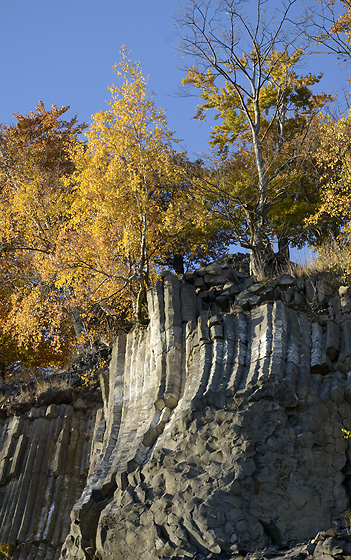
point(247, 73)
point(87, 226)
point(130, 201)
point(332, 218)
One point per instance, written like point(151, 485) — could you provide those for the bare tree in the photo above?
point(253, 58)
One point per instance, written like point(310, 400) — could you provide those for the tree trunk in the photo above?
point(2, 373)
point(256, 264)
point(261, 252)
point(178, 263)
point(283, 247)
point(75, 315)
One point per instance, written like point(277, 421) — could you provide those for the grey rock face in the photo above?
point(223, 428)
point(220, 436)
point(44, 459)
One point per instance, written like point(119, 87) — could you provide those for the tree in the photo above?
point(130, 199)
point(330, 29)
point(267, 111)
point(334, 212)
point(33, 206)
point(85, 228)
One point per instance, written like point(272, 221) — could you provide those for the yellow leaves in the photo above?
point(343, 23)
point(33, 312)
point(86, 226)
point(334, 163)
point(125, 183)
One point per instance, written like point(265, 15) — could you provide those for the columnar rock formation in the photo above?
point(44, 459)
point(221, 430)
point(222, 423)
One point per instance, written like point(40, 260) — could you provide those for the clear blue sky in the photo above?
point(62, 52)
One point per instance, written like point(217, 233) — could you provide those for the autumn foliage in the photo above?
point(33, 207)
point(90, 214)
point(87, 223)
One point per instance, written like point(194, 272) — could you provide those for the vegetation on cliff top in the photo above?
point(86, 225)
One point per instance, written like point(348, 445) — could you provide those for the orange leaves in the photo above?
point(33, 207)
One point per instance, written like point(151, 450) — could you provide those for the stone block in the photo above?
point(199, 282)
point(256, 287)
point(171, 287)
point(347, 387)
point(216, 332)
point(345, 299)
point(345, 346)
point(223, 302)
point(267, 293)
point(231, 288)
point(211, 281)
point(203, 330)
point(33, 413)
point(345, 410)
point(320, 363)
point(190, 276)
point(173, 377)
point(333, 340)
point(335, 307)
point(324, 292)
point(341, 445)
point(155, 301)
point(247, 282)
point(299, 299)
point(51, 411)
point(246, 300)
point(213, 269)
point(337, 390)
point(80, 404)
point(286, 280)
point(188, 302)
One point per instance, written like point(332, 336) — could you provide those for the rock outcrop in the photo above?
point(44, 461)
point(221, 430)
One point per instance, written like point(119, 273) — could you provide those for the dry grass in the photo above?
point(305, 269)
point(22, 391)
point(42, 385)
point(332, 257)
point(336, 255)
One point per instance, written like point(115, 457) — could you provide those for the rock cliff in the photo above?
point(44, 460)
point(221, 431)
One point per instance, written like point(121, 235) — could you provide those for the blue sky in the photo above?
point(62, 53)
